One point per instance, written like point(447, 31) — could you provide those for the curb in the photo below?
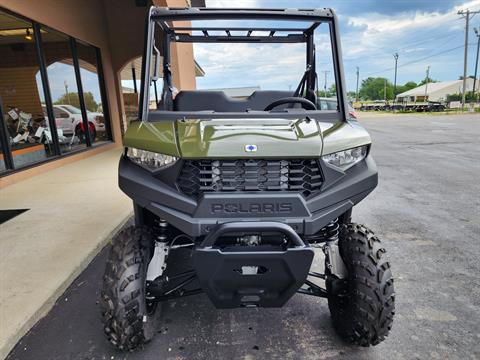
point(44, 309)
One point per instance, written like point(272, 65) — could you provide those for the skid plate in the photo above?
point(252, 276)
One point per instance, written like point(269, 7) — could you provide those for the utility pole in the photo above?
point(477, 32)
point(325, 85)
point(395, 56)
point(356, 92)
point(426, 83)
point(467, 15)
point(385, 90)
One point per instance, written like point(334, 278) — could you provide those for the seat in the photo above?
point(218, 101)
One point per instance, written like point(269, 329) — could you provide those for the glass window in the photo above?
point(3, 165)
point(21, 93)
point(27, 136)
point(64, 91)
point(87, 58)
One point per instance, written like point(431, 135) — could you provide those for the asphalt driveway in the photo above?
point(427, 211)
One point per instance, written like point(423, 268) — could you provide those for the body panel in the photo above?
point(340, 192)
point(226, 138)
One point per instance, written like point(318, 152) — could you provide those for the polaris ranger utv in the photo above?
point(248, 187)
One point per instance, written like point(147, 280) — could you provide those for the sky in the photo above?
point(60, 74)
point(422, 32)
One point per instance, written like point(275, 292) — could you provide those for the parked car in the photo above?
point(332, 104)
point(68, 119)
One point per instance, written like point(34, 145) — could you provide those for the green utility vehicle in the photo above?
point(247, 187)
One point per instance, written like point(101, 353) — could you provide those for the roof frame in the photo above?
point(275, 35)
point(295, 35)
point(312, 15)
point(163, 16)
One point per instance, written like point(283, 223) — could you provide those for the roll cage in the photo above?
point(164, 18)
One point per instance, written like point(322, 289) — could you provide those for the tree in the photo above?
point(468, 77)
point(408, 86)
point(72, 99)
point(351, 94)
point(458, 97)
point(374, 89)
point(424, 81)
point(332, 91)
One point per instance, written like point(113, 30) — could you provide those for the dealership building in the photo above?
point(62, 65)
point(437, 91)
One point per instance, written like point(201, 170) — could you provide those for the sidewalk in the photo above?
point(73, 212)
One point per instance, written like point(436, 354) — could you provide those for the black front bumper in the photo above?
point(339, 192)
point(277, 273)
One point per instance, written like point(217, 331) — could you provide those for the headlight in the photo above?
point(148, 159)
point(347, 158)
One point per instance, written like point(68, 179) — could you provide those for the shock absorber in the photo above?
point(330, 231)
point(334, 261)
point(162, 228)
point(158, 264)
point(327, 234)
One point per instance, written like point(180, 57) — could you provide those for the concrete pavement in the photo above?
point(427, 211)
point(73, 211)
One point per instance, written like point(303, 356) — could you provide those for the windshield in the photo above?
point(250, 65)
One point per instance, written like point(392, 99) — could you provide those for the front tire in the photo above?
point(128, 322)
point(362, 306)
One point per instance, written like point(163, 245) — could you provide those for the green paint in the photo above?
point(227, 138)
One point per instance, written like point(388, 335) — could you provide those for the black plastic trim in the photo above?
point(192, 218)
point(242, 226)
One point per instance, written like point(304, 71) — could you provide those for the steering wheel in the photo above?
point(306, 104)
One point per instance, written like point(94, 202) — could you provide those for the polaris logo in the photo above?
point(251, 148)
point(252, 208)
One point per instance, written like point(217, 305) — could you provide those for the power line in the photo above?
point(443, 38)
point(418, 42)
point(430, 56)
point(418, 60)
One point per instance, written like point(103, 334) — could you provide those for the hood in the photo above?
point(229, 138)
point(261, 138)
point(226, 138)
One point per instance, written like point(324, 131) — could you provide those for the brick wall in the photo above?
point(18, 88)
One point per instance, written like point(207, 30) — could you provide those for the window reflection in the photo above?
point(64, 91)
point(3, 167)
point(22, 94)
point(28, 131)
point(87, 58)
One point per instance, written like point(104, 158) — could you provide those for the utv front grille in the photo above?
point(200, 176)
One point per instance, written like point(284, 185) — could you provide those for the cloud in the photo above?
point(269, 66)
point(415, 30)
point(379, 31)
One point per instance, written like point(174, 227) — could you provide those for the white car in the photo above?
point(68, 119)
